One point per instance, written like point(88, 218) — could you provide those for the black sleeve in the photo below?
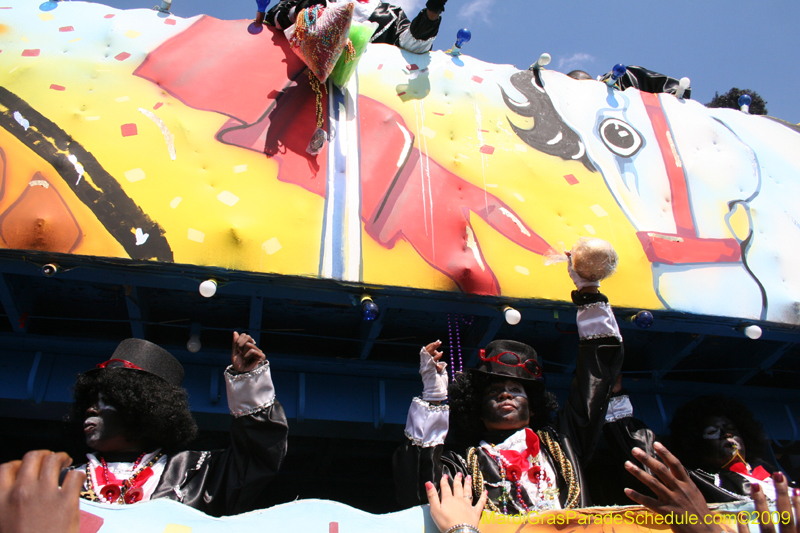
point(283, 14)
point(599, 364)
point(238, 476)
point(414, 465)
point(394, 28)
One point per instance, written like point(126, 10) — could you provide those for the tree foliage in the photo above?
point(731, 100)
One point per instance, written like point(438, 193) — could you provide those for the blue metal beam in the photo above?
point(134, 311)
point(767, 362)
point(670, 363)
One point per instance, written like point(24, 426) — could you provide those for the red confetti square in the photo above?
point(477, 79)
point(170, 22)
point(572, 180)
point(128, 130)
point(440, 114)
point(122, 56)
point(380, 66)
point(158, 105)
point(333, 527)
point(31, 52)
point(401, 94)
point(412, 67)
point(109, 16)
point(485, 131)
point(66, 29)
point(487, 149)
point(57, 87)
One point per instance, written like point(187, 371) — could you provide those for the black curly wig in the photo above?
point(466, 399)
point(691, 419)
point(155, 413)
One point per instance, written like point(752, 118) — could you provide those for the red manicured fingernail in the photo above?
point(428, 485)
point(778, 477)
point(755, 487)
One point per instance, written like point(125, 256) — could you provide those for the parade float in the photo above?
point(157, 182)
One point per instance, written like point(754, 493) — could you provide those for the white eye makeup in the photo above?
point(712, 433)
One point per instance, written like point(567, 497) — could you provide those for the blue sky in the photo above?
point(717, 44)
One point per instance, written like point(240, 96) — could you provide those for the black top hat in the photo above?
point(144, 356)
point(510, 359)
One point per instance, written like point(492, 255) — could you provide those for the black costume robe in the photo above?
point(577, 428)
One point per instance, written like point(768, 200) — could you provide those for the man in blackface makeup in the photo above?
point(503, 433)
point(135, 417)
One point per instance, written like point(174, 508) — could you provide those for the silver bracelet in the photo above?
point(463, 528)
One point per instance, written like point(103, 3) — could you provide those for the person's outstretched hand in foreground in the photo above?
point(788, 505)
point(30, 498)
point(677, 493)
point(455, 506)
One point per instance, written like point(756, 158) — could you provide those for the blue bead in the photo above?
point(643, 319)
point(262, 5)
point(369, 310)
point(463, 36)
point(48, 6)
point(745, 100)
point(619, 70)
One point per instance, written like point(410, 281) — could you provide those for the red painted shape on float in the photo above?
point(109, 16)
point(57, 87)
point(487, 149)
point(158, 105)
point(412, 67)
point(477, 79)
point(128, 130)
point(401, 94)
point(90, 523)
point(572, 180)
point(170, 22)
point(681, 208)
point(30, 52)
point(122, 56)
point(333, 527)
point(66, 28)
point(679, 249)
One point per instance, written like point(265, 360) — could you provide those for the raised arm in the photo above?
point(241, 473)
point(600, 358)
point(418, 459)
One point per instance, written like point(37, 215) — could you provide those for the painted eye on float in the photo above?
point(620, 137)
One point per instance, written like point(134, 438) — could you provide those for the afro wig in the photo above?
point(155, 412)
point(691, 419)
point(466, 398)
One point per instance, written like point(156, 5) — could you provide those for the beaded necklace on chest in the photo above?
point(508, 475)
point(127, 492)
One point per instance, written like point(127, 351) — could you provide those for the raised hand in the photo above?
point(245, 355)
point(455, 506)
point(30, 499)
point(677, 493)
point(788, 504)
point(432, 370)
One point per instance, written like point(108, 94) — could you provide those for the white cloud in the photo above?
point(481, 8)
point(575, 61)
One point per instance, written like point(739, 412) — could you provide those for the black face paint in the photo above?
point(105, 428)
point(505, 405)
point(721, 442)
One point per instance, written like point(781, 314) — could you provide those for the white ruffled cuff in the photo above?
point(619, 407)
point(596, 321)
point(427, 424)
point(249, 392)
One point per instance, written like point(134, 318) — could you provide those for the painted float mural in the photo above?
point(137, 134)
point(323, 516)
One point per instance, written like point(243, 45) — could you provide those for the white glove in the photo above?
point(434, 382)
point(577, 279)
